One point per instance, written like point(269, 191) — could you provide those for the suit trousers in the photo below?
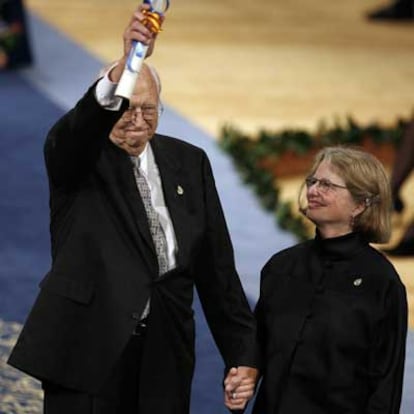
point(119, 395)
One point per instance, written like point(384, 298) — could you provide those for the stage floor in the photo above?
point(268, 64)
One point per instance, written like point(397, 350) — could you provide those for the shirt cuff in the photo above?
point(105, 93)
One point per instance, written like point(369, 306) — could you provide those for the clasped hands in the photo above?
point(239, 386)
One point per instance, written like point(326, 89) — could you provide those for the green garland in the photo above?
point(248, 153)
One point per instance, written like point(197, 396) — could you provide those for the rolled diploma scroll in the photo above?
point(132, 67)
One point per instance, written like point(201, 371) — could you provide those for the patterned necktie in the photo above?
point(156, 230)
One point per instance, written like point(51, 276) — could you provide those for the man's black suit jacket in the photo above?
point(104, 266)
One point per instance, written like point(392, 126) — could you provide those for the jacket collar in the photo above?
point(339, 248)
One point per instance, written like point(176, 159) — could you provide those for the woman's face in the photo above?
point(330, 204)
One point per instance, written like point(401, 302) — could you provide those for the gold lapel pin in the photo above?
point(180, 190)
point(358, 282)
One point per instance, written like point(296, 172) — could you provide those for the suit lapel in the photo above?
point(174, 189)
point(126, 198)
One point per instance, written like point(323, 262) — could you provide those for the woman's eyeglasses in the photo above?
point(324, 185)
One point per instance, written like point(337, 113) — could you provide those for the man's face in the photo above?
point(138, 123)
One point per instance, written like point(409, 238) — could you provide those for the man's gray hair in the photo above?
point(156, 77)
point(152, 70)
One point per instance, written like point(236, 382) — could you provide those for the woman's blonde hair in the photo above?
point(368, 183)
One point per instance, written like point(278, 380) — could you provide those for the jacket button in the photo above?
point(136, 316)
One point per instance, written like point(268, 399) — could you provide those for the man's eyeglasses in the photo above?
point(324, 185)
point(148, 112)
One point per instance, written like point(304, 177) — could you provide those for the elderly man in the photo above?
point(136, 222)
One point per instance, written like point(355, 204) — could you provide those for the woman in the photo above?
point(332, 312)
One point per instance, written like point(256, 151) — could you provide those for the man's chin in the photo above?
point(133, 149)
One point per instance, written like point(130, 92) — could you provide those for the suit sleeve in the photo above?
point(74, 143)
point(260, 316)
point(388, 354)
point(220, 291)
